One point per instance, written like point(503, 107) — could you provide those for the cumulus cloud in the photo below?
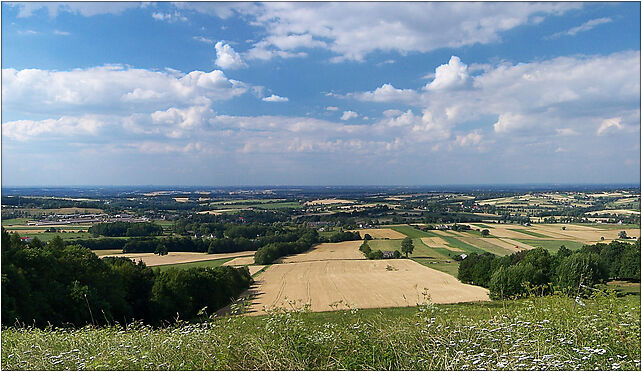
point(568, 93)
point(227, 58)
point(509, 122)
point(452, 75)
point(471, 139)
point(387, 93)
point(23, 130)
point(275, 98)
point(347, 115)
point(112, 89)
point(347, 29)
point(332, 108)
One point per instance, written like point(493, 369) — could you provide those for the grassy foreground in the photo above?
point(532, 333)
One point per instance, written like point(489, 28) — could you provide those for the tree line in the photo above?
point(306, 238)
point(121, 228)
point(64, 285)
point(511, 275)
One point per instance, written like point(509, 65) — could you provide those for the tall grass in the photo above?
point(532, 333)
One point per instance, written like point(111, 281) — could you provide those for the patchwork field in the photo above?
point(382, 233)
point(329, 201)
point(336, 276)
point(151, 259)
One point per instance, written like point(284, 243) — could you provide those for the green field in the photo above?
point(449, 268)
point(528, 232)
point(548, 333)
point(278, 205)
point(189, 265)
point(412, 232)
point(45, 236)
point(552, 245)
point(14, 221)
point(609, 226)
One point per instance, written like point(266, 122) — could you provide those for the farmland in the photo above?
point(330, 307)
point(337, 275)
point(173, 258)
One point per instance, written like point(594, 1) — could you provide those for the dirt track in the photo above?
point(335, 274)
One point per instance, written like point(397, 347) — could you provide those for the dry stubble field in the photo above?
point(151, 259)
point(335, 275)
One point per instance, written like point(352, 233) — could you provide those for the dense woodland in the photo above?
point(68, 285)
point(516, 274)
point(115, 229)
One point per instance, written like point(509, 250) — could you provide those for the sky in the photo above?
point(307, 93)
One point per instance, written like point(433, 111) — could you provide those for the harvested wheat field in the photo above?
point(151, 259)
point(327, 252)
point(520, 246)
point(240, 261)
point(336, 276)
point(437, 242)
point(382, 233)
point(585, 234)
point(357, 284)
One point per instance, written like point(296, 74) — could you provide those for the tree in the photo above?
point(407, 246)
point(485, 232)
point(161, 250)
point(365, 248)
point(367, 237)
point(622, 235)
point(580, 264)
point(397, 254)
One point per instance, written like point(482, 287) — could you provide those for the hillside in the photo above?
point(533, 333)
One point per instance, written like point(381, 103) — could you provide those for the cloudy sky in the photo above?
point(320, 93)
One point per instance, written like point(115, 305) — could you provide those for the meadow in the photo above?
point(541, 333)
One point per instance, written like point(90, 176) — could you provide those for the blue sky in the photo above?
point(320, 93)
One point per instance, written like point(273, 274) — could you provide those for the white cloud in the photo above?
point(387, 93)
point(203, 39)
point(449, 76)
point(347, 29)
point(565, 93)
point(275, 98)
point(471, 139)
point(586, 26)
point(61, 33)
point(347, 115)
point(609, 125)
point(169, 17)
point(86, 9)
point(23, 130)
point(509, 122)
point(332, 108)
point(112, 89)
point(227, 58)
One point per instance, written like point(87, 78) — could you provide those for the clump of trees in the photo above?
point(377, 254)
point(62, 285)
point(512, 275)
point(343, 236)
point(270, 252)
point(126, 229)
